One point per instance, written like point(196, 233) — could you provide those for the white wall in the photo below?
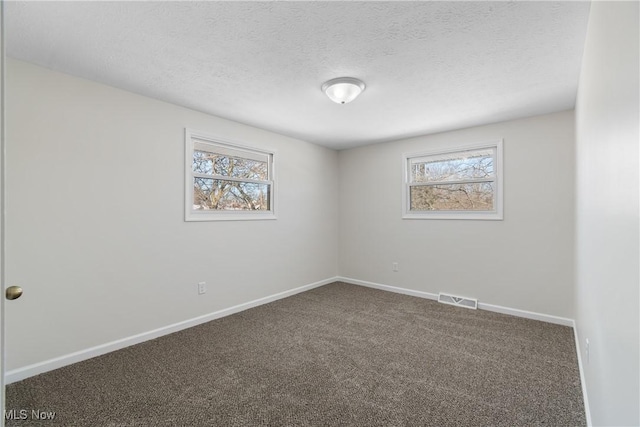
point(607, 248)
point(96, 234)
point(523, 262)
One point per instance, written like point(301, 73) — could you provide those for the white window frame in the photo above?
point(496, 214)
point(193, 137)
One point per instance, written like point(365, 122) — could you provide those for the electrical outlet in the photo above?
point(586, 349)
point(202, 288)
point(394, 266)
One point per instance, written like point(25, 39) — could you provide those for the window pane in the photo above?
point(217, 164)
point(454, 197)
point(454, 166)
point(215, 194)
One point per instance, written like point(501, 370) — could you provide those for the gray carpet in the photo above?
point(338, 355)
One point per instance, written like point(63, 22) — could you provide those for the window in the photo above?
point(461, 184)
point(227, 181)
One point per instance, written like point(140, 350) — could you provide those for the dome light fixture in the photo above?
point(343, 89)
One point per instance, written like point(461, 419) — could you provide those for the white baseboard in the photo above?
point(78, 356)
point(585, 398)
point(483, 306)
point(395, 289)
point(564, 321)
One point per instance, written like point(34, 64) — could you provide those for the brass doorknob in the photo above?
point(13, 292)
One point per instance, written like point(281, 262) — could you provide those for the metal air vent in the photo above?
point(458, 301)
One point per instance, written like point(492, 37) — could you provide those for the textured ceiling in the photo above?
point(428, 66)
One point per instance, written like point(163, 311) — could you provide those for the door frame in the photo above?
point(3, 176)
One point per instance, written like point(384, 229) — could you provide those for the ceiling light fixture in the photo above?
point(343, 90)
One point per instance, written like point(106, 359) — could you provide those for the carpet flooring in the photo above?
point(338, 355)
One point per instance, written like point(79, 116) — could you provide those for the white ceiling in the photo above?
point(428, 66)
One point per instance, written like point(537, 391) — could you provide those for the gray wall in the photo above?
point(607, 251)
point(96, 233)
point(523, 262)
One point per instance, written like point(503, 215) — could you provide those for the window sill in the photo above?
point(488, 216)
point(228, 216)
